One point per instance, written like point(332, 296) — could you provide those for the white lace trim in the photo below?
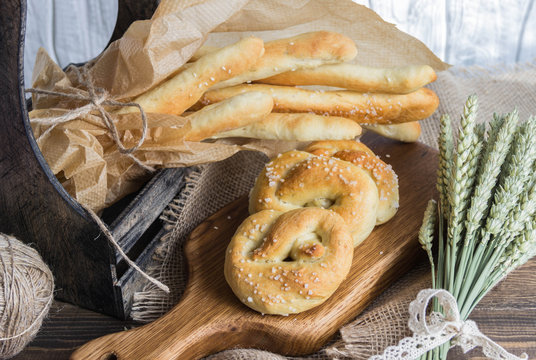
point(436, 329)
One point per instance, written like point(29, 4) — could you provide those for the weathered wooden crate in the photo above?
point(35, 208)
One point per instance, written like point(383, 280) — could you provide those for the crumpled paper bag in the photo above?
point(82, 153)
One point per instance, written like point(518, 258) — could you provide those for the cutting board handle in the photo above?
point(210, 318)
point(183, 334)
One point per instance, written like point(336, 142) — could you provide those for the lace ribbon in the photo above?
point(432, 331)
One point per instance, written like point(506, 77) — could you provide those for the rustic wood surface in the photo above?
point(507, 315)
point(35, 207)
point(210, 318)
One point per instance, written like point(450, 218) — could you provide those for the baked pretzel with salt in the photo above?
point(360, 155)
point(297, 179)
point(288, 263)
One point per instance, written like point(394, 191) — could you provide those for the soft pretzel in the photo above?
point(362, 108)
point(298, 179)
point(183, 90)
point(406, 132)
point(299, 127)
point(359, 78)
point(232, 113)
point(306, 50)
point(328, 148)
point(360, 155)
point(288, 263)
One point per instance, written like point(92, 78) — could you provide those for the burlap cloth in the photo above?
point(210, 187)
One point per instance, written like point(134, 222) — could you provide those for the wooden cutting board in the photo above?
point(209, 318)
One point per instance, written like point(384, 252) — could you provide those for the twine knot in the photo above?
point(97, 98)
point(436, 329)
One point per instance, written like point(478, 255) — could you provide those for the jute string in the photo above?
point(26, 293)
point(97, 98)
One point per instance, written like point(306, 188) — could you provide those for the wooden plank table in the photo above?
point(507, 315)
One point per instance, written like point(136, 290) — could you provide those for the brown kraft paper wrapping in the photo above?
point(82, 153)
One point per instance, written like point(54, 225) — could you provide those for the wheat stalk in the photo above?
point(487, 189)
point(426, 233)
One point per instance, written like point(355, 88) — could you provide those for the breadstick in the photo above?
point(232, 113)
point(406, 132)
point(298, 127)
point(202, 51)
point(359, 78)
point(362, 108)
point(304, 51)
point(183, 90)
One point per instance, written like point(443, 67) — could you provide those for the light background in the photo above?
point(460, 32)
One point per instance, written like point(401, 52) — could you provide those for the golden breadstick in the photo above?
point(299, 127)
point(406, 132)
point(202, 51)
point(362, 108)
point(232, 113)
point(304, 51)
point(183, 90)
point(359, 78)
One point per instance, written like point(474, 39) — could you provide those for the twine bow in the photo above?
point(432, 331)
point(97, 98)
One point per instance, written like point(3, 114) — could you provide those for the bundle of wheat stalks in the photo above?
point(487, 208)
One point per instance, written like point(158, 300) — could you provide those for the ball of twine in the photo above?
point(26, 293)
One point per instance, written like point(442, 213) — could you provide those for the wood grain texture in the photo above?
point(507, 314)
point(33, 205)
point(501, 32)
point(37, 209)
point(210, 318)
